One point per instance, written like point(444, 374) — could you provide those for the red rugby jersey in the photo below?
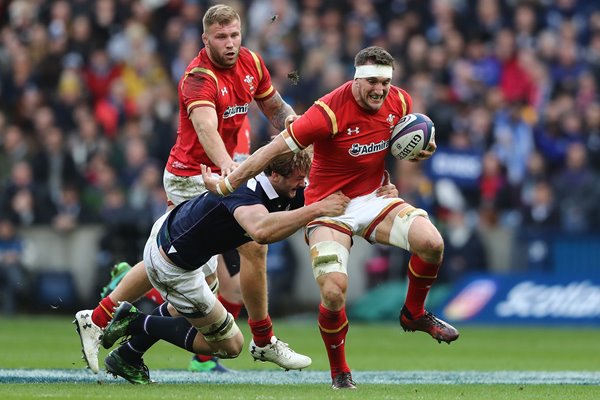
point(350, 143)
point(229, 91)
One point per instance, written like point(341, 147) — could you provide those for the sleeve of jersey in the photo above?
point(198, 89)
point(315, 124)
point(242, 196)
point(265, 88)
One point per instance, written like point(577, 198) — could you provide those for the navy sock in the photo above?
point(149, 330)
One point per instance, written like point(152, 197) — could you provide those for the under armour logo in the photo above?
point(351, 131)
point(223, 91)
point(335, 346)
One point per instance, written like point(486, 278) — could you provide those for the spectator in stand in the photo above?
point(464, 250)
point(568, 67)
point(541, 213)
point(488, 17)
point(12, 273)
point(536, 172)
point(577, 191)
point(493, 185)
point(142, 193)
point(525, 17)
point(81, 39)
point(71, 212)
point(87, 140)
point(515, 82)
point(123, 228)
point(25, 201)
point(53, 165)
point(100, 72)
point(592, 127)
point(14, 148)
point(513, 142)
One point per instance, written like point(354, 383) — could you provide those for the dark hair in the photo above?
point(373, 55)
point(286, 165)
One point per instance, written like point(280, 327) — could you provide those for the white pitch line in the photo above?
point(313, 377)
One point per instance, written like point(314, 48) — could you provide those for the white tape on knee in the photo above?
point(329, 257)
point(224, 328)
point(401, 225)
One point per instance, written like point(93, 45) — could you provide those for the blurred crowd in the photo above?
point(88, 105)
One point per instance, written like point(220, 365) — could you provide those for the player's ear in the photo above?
point(204, 39)
point(276, 178)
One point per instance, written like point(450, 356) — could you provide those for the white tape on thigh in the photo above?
point(329, 257)
point(401, 225)
point(223, 329)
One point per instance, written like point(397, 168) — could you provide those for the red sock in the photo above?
point(334, 327)
point(233, 308)
point(421, 276)
point(262, 331)
point(154, 296)
point(103, 313)
point(203, 358)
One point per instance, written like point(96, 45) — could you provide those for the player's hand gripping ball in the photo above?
point(411, 135)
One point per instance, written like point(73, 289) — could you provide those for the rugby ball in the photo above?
point(411, 135)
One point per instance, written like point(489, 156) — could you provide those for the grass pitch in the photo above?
point(535, 363)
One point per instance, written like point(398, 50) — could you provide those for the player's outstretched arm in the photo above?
point(265, 227)
point(251, 167)
point(205, 124)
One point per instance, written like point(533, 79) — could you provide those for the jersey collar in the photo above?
point(267, 186)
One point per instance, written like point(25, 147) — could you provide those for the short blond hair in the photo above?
point(219, 14)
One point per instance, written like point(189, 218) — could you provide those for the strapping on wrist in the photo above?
point(228, 185)
point(224, 187)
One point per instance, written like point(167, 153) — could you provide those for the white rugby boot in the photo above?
point(90, 335)
point(279, 352)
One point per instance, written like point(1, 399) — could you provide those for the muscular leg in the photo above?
point(253, 282)
point(230, 296)
point(264, 345)
point(219, 336)
point(133, 285)
point(329, 250)
point(418, 235)
point(229, 347)
point(414, 232)
point(229, 286)
point(253, 279)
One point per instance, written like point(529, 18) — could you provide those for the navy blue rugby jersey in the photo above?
point(198, 229)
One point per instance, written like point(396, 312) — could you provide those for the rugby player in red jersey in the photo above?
point(214, 95)
point(350, 129)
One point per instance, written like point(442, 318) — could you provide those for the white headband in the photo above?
point(373, 70)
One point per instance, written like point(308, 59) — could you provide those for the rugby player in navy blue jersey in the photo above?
point(265, 210)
